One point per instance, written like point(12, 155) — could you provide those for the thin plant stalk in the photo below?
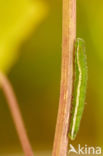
point(16, 115)
point(60, 146)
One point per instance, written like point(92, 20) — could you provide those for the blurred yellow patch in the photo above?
point(17, 19)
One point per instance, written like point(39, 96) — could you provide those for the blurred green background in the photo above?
point(30, 53)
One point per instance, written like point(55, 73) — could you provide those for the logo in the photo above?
point(85, 150)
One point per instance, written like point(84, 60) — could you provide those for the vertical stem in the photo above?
point(60, 146)
point(13, 106)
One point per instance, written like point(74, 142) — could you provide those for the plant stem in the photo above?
point(60, 146)
point(16, 115)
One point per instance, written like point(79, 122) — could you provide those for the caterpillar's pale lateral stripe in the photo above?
point(79, 90)
point(78, 93)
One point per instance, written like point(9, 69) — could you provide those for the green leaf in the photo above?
point(17, 20)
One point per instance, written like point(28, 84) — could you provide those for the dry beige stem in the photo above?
point(16, 115)
point(60, 146)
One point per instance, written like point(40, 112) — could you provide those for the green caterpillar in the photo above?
point(80, 85)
